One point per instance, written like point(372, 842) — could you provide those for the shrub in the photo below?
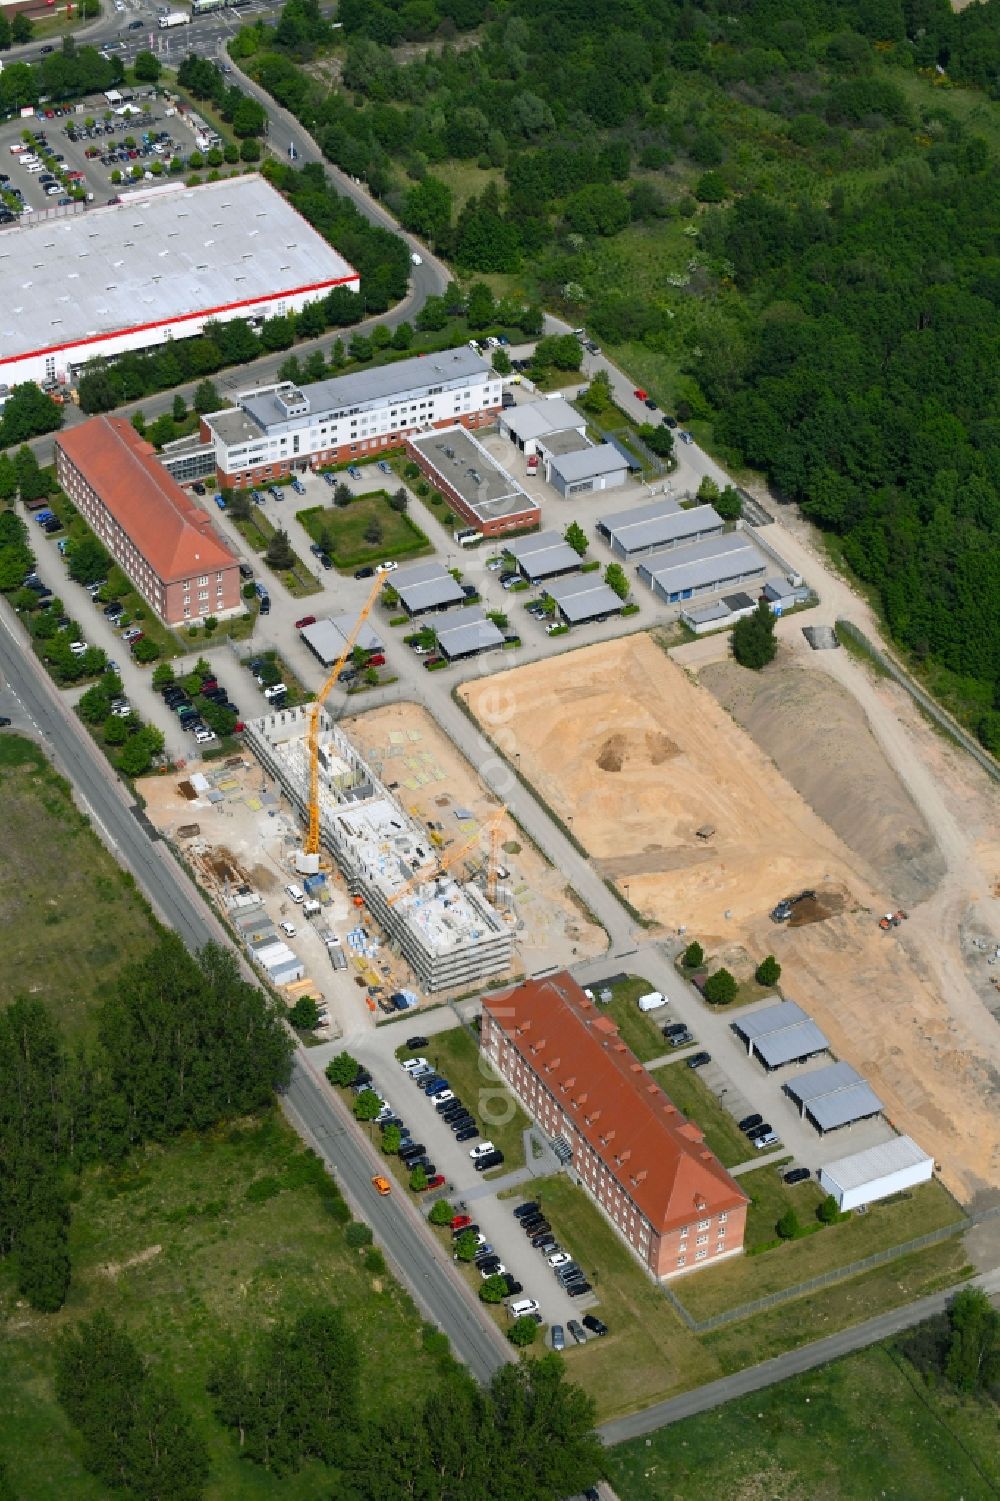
point(693, 955)
point(768, 971)
point(523, 1332)
point(788, 1226)
point(358, 1234)
point(720, 988)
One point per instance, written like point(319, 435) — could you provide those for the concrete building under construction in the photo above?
point(447, 932)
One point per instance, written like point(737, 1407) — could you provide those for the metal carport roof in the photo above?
point(426, 586)
point(834, 1096)
point(780, 1034)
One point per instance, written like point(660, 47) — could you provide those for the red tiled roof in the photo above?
point(174, 535)
point(656, 1154)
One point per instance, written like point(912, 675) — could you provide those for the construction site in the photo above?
point(708, 838)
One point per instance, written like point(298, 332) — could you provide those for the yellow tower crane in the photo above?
point(493, 827)
point(310, 851)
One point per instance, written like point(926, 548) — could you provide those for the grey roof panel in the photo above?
point(584, 597)
point(425, 586)
point(875, 1162)
point(770, 1019)
point(648, 510)
point(667, 528)
point(327, 638)
point(801, 1041)
point(530, 419)
point(603, 458)
point(467, 631)
point(835, 1096)
point(710, 563)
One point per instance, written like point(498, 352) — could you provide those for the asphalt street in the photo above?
point(792, 1363)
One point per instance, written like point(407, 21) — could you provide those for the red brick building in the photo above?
point(165, 543)
point(644, 1164)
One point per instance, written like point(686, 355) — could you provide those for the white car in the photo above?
point(482, 1149)
point(387, 567)
point(78, 648)
point(202, 737)
point(492, 1271)
point(444, 1097)
point(122, 711)
point(523, 1307)
point(288, 928)
point(411, 1063)
point(275, 691)
point(559, 1259)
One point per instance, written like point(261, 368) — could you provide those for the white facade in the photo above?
point(352, 416)
point(161, 264)
point(877, 1173)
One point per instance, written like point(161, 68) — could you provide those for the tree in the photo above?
point(279, 553)
point(342, 495)
point(342, 1069)
point(753, 639)
point(398, 500)
point(27, 413)
point(708, 490)
point(658, 439)
point(973, 1360)
point(788, 1226)
point(616, 579)
point(206, 397)
point(501, 361)
point(21, 29)
point(304, 1015)
point(827, 1212)
point(8, 478)
point(373, 532)
point(163, 676)
point(392, 1140)
point(185, 1042)
point(711, 188)
point(135, 1435)
point(493, 1289)
point(146, 650)
point(523, 1331)
point(768, 971)
point(367, 1105)
point(576, 537)
point(402, 335)
point(418, 1179)
point(729, 504)
point(43, 1269)
point(721, 988)
point(442, 1213)
point(466, 1245)
point(31, 482)
point(693, 956)
point(562, 351)
point(357, 1235)
point(147, 67)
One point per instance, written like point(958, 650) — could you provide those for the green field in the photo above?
point(692, 1095)
point(176, 1249)
point(71, 918)
point(890, 1223)
point(341, 530)
point(456, 1055)
point(861, 1428)
point(638, 1029)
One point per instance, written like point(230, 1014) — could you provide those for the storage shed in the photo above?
point(326, 639)
point(780, 1034)
point(716, 562)
point(877, 1173)
point(593, 466)
point(658, 525)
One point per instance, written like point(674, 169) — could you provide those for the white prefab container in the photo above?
point(877, 1173)
point(652, 1001)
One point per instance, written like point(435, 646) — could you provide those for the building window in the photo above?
point(700, 1255)
point(682, 1261)
point(723, 1217)
point(702, 1240)
point(704, 1224)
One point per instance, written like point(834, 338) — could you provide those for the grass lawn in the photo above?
point(257, 530)
point(341, 530)
point(862, 1427)
point(176, 1249)
point(648, 1353)
point(71, 918)
point(890, 1223)
point(638, 1029)
point(456, 1055)
point(771, 1197)
point(691, 1094)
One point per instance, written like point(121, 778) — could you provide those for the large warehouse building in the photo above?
point(865, 1177)
point(161, 539)
point(282, 428)
point(656, 526)
point(158, 266)
point(644, 1164)
point(448, 932)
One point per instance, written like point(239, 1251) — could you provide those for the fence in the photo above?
point(824, 1279)
point(934, 710)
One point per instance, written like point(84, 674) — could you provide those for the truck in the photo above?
point(173, 18)
point(652, 1001)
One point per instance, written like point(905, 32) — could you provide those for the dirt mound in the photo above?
point(659, 747)
point(817, 908)
point(819, 739)
point(611, 756)
point(652, 749)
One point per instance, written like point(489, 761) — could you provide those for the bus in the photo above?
point(202, 7)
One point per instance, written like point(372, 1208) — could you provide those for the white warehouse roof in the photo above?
point(875, 1163)
point(533, 419)
point(165, 253)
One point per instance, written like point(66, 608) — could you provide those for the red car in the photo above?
point(438, 1181)
point(377, 659)
point(640, 394)
point(300, 625)
point(460, 1221)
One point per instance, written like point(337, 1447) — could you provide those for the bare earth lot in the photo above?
point(640, 757)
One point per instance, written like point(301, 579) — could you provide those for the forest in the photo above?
point(781, 219)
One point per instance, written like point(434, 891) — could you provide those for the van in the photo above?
point(296, 893)
point(467, 537)
point(523, 1307)
point(415, 259)
point(312, 909)
point(652, 1001)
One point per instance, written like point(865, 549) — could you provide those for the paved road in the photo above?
point(792, 1363)
point(310, 1104)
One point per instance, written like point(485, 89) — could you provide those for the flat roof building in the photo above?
point(467, 633)
point(285, 427)
point(426, 586)
point(716, 563)
point(596, 466)
point(525, 423)
point(327, 638)
point(656, 526)
point(865, 1177)
point(644, 1164)
point(584, 597)
point(479, 489)
point(447, 931)
point(834, 1096)
point(780, 1034)
point(157, 266)
point(543, 555)
point(161, 539)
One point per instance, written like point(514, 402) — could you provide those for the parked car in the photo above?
point(491, 1160)
point(416, 1042)
point(750, 1121)
point(640, 394)
point(387, 567)
point(594, 1324)
point(466, 1133)
point(797, 1175)
point(685, 437)
point(364, 573)
point(578, 1332)
point(558, 1337)
point(525, 1211)
point(461, 1222)
point(300, 625)
point(698, 1060)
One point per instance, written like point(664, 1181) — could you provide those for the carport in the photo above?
point(584, 598)
point(834, 1096)
point(467, 633)
point(326, 639)
point(543, 556)
point(780, 1035)
point(426, 586)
